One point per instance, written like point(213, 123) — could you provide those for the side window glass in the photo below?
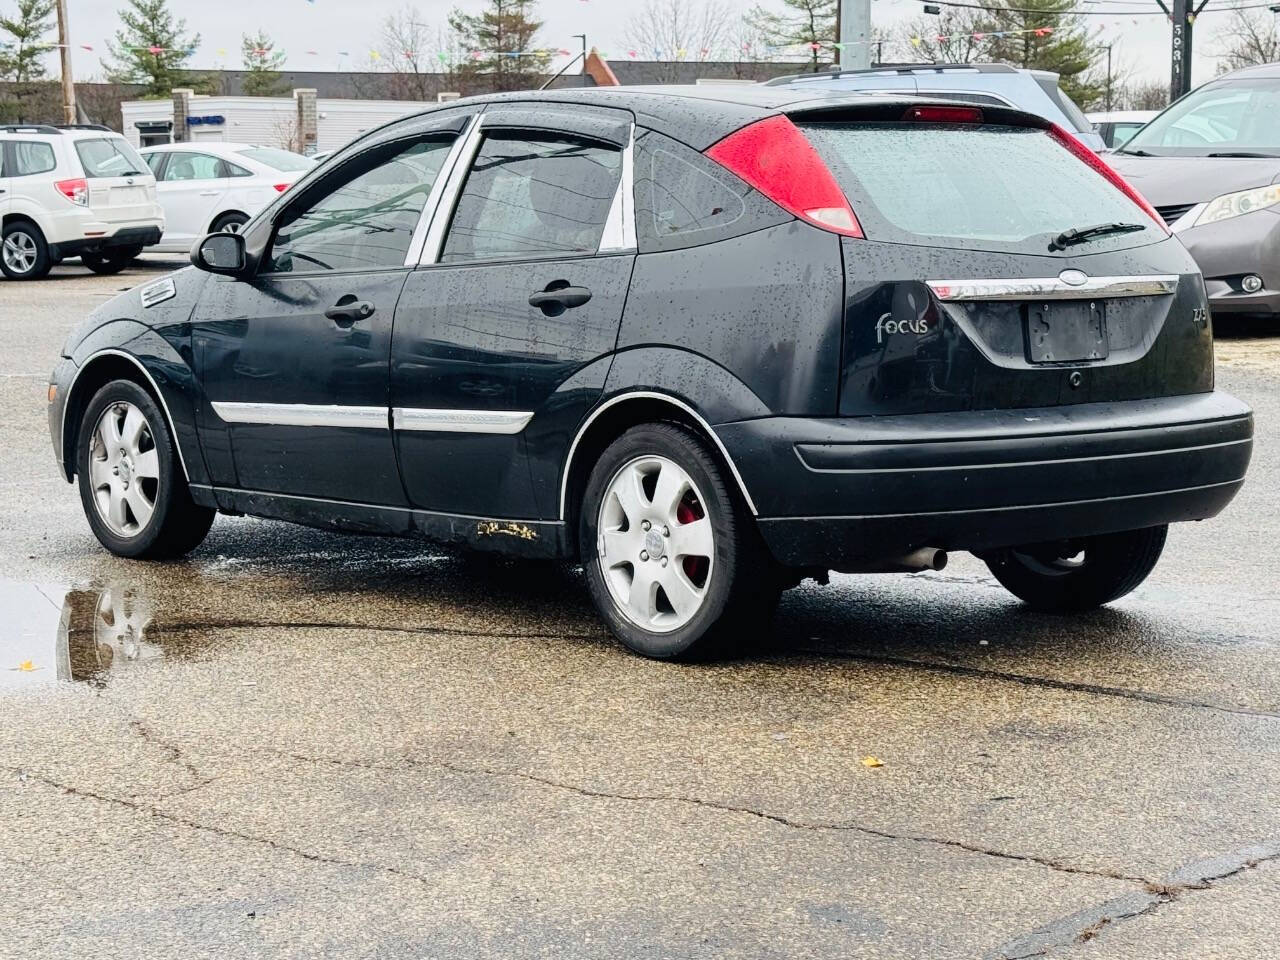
point(684, 199)
point(235, 171)
point(192, 166)
point(32, 157)
point(154, 160)
point(365, 220)
point(534, 196)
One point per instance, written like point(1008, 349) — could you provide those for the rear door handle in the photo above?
point(564, 298)
point(348, 310)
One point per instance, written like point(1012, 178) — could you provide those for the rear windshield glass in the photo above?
point(279, 159)
point(109, 157)
point(982, 187)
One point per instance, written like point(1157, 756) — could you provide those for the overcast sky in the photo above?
point(331, 26)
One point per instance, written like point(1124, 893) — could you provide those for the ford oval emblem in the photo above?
point(1074, 278)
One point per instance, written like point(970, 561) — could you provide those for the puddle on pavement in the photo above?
point(50, 633)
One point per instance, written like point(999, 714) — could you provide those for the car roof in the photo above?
point(1263, 71)
point(696, 115)
point(1122, 116)
point(204, 146)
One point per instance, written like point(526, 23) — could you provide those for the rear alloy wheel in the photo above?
point(229, 223)
point(24, 254)
point(131, 481)
point(113, 261)
point(1073, 575)
point(674, 565)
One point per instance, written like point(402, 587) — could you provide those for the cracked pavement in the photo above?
point(298, 744)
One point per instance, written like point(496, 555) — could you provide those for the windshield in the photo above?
point(983, 187)
point(109, 157)
point(1228, 116)
point(278, 159)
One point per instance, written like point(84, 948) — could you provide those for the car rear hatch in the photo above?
point(967, 288)
point(120, 184)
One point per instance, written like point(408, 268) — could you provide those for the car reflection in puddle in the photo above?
point(91, 636)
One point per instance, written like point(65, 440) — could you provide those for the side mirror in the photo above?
point(220, 253)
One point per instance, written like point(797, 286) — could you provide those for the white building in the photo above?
point(271, 121)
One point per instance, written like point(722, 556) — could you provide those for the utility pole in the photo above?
point(1183, 15)
point(64, 48)
point(1108, 46)
point(854, 20)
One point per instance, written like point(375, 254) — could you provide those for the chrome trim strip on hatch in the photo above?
point(460, 421)
point(302, 415)
point(1053, 288)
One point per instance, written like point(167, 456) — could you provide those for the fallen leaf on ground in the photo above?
point(872, 762)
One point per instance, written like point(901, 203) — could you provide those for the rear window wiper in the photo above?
point(1069, 238)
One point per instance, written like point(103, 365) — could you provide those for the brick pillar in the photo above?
point(181, 110)
point(308, 121)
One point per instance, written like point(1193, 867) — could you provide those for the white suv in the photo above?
point(75, 191)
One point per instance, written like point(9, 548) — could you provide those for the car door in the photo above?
point(294, 361)
point(190, 187)
point(520, 288)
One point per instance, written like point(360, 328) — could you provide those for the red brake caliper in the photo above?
point(695, 568)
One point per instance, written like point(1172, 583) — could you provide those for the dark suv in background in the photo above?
point(706, 341)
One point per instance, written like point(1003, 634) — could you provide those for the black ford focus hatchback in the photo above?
point(707, 342)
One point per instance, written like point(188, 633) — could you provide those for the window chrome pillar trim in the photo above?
point(451, 187)
point(303, 415)
point(1053, 288)
point(460, 421)
point(414, 253)
point(620, 228)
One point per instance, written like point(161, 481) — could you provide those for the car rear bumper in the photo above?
point(128, 236)
point(845, 493)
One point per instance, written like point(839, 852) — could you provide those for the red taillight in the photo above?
point(932, 114)
point(77, 191)
point(1101, 166)
point(776, 158)
point(282, 187)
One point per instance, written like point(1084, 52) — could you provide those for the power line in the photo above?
point(1093, 13)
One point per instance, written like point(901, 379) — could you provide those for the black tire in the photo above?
point(742, 587)
point(112, 261)
point(228, 220)
point(30, 238)
point(177, 524)
point(1101, 569)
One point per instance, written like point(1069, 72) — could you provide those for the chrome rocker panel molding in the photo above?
point(1053, 288)
point(460, 421)
point(302, 414)
point(155, 389)
point(649, 395)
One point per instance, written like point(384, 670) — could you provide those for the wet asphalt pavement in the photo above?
point(299, 744)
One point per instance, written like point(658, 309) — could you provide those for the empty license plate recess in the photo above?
point(1066, 332)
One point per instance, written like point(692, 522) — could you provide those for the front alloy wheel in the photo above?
point(24, 254)
point(132, 486)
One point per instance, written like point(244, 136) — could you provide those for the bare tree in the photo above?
point(1141, 95)
point(414, 54)
point(675, 30)
point(1249, 37)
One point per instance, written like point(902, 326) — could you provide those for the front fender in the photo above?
point(127, 347)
